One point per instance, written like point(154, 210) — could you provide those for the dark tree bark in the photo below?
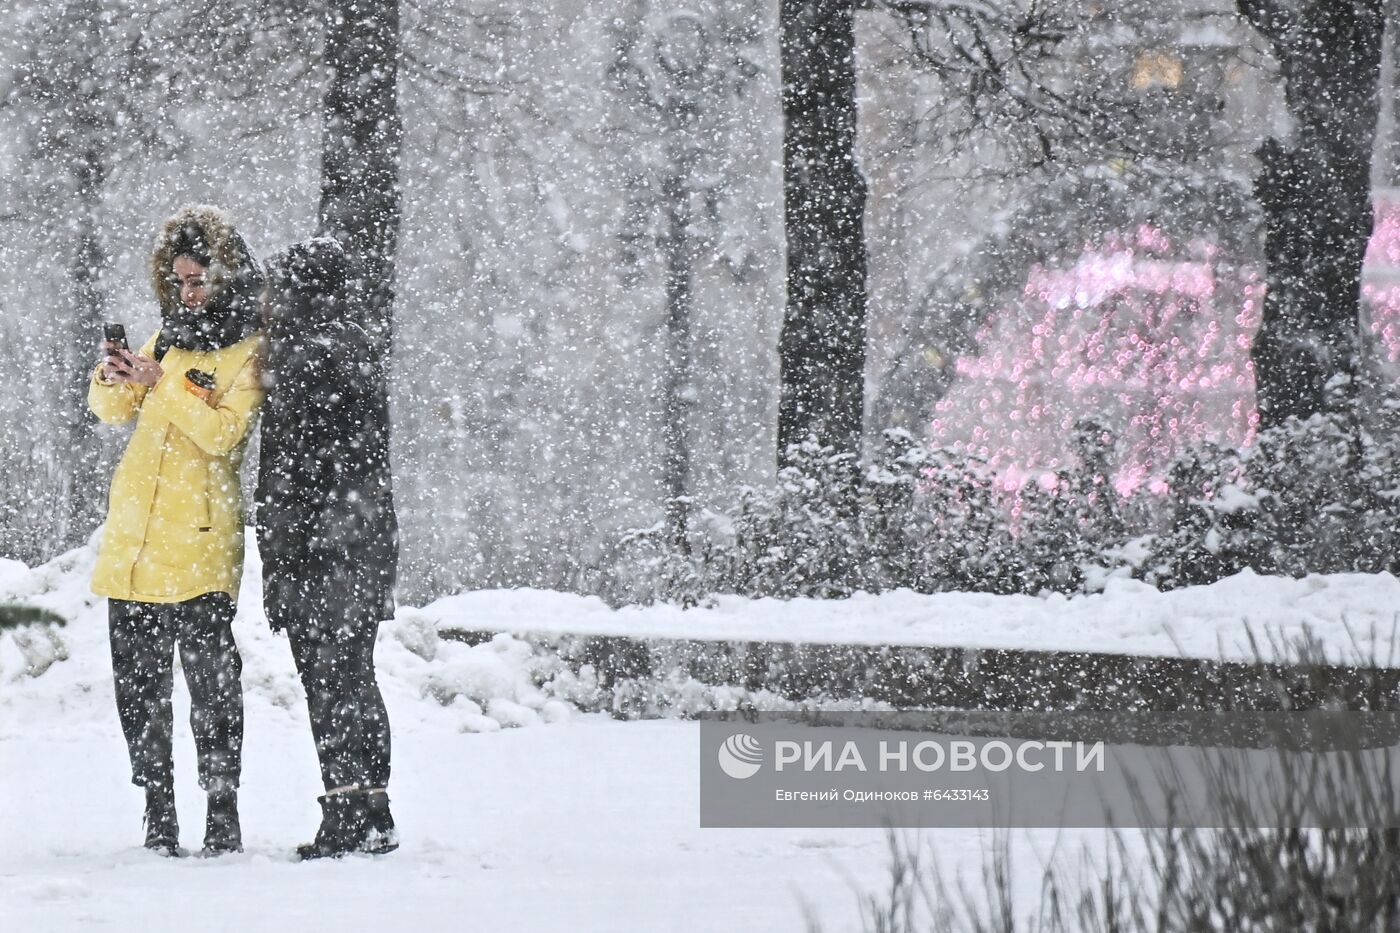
point(89, 303)
point(679, 248)
point(822, 345)
point(681, 55)
point(78, 137)
point(362, 134)
point(1389, 93)
point(1315, 192)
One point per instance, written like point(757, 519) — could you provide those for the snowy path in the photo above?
point(571, 822)
point(590, 825)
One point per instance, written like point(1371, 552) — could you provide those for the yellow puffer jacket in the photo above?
point(175, 513)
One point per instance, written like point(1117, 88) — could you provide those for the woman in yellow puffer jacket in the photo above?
point(172, 549)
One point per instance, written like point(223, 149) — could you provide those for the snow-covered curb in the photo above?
point(1354, 616)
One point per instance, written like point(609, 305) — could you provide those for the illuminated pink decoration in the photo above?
point(1380, 292)
point(1149, 339)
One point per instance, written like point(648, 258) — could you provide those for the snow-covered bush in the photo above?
point(1203, 522)
point(34, 632)
point(1312, 496)
point(914, 517)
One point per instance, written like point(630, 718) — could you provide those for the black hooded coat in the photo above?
point(326, 525)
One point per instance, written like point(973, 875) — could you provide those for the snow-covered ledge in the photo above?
point(1353, 618)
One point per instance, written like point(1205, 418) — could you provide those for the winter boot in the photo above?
point(162, 828)
point(222, 832)
point(342, 826)
point(380, 836)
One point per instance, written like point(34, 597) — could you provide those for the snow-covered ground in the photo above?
point(590, 826)
point(571, 821)
point(575, 822)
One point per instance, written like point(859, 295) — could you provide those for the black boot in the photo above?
point(342, 827)
point(162, 828)
point(222, 832)
point(380, 836)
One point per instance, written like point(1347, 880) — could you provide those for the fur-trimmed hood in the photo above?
point(229, 257)
point(233, 281)
point(228, 254)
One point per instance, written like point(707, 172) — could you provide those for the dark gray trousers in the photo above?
point(144, 637)
point(335, 657)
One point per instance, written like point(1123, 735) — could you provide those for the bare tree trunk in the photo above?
point(79, 496)
point(1390, 95)
point(89, 303)
point(678, 247)
point(85, 160)
point(822, 345)
point(362, 134)
point(1315, 193)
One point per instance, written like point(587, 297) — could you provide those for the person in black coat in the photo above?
point(327, 532)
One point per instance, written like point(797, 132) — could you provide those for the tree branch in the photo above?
point(1268, 17)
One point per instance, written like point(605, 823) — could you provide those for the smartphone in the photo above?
point(115, 333)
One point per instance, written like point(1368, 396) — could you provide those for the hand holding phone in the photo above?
point(114, 338)
point(114, 366)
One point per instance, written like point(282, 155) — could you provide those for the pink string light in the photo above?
point(1149, 338)
point(1145, 342)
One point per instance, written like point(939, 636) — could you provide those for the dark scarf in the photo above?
point(231, 316)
